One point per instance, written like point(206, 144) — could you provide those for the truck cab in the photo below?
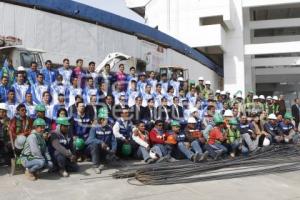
point(11, 48)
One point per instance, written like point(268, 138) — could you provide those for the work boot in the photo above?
point(195, 158)
point(99, 169)
point(218, 155)
point(204, 156)
point(150, 161)
point(30, 176)
point(63, 173)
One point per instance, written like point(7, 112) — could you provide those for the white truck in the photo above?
point(11, 48)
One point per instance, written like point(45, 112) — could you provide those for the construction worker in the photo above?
point(161, 144)
point(287, 127)
point(122, 131)
point(207, 90)
point(200, 87)
point(217, 137)
point(141, 137)
point(40, 110)
point(269, 105)
point(247, 131)
point(257, 105)
point(191, 142)
point(275, 106)
point(233, 137)
point(101, 141)
point(35, 155)
point(61, 147)
point(5, 145)
point(274, 134)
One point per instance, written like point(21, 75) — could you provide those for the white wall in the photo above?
point(64, 37)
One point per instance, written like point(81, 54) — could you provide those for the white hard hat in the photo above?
point(239, 95)
point(218, 91)
point(255, 97)
point(200, 78)
point(192, 120)
point(207, 83)
point(21, 68)
point(20, 141)
point(269, 97)
point(261, 97)
point(228, 113)
point(272, 116)
point(275, 98)
point(266, 142)
point(193, 109)
point(223, 92)
point(180, 79)
point(3, 106)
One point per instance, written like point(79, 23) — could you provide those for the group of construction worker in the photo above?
point(55, 118)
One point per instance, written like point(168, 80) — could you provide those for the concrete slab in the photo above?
point(51, 186)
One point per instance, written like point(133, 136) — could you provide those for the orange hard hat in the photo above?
point(171, 139)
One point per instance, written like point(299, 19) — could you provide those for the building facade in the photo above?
point(256, 41)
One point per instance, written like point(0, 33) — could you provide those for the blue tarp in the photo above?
point(84, 12)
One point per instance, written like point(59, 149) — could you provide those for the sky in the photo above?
point(117, 7)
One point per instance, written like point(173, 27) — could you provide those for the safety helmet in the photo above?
point(103, 113)
point(228, 113)
point(40, 108)
point(207, 83)
point(261, 97)
point(191, 120)
point(269, 97)
point(255, 97)
point(239, 95)
point(79, 144)
point(171, 140)
point(233, 122)
point(20, 141)
point(126, 150)
point(272, 116)
point(218, 119)
point(218, 91)
point(3, 106)
point(223, 92)
point(63, 121)
point(200, 78)
point(39, 122)
point(275, 98)
point(266, 142)
point(288, 115)
point(175, 123)
point(180, 79)
point(20, 69)
point(194, 109)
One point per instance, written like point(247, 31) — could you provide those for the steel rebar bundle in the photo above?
point(270, 160)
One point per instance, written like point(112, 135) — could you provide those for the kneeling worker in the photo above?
point(35, 155)
point(61, 147)
point(101, 141)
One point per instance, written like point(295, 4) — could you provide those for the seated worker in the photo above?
point(287, 128)
point(274, 133)
point(101, 141)
point(216, 138)
point(248, 135)
point(141, 137)
point(191, 142)
point(233, 137)
point(123, 131)
point(35, 155)
point(158, 140)
point(5, 144)
point(61, 147)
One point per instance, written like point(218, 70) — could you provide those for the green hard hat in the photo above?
point(79, 144)
point(39, 122)
point(40, 108)
point(103, 113)
point(126, 150)
point(288, 115)
point(218, 119)
point(233, 122)
point(63, 121)
point(175, 123)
